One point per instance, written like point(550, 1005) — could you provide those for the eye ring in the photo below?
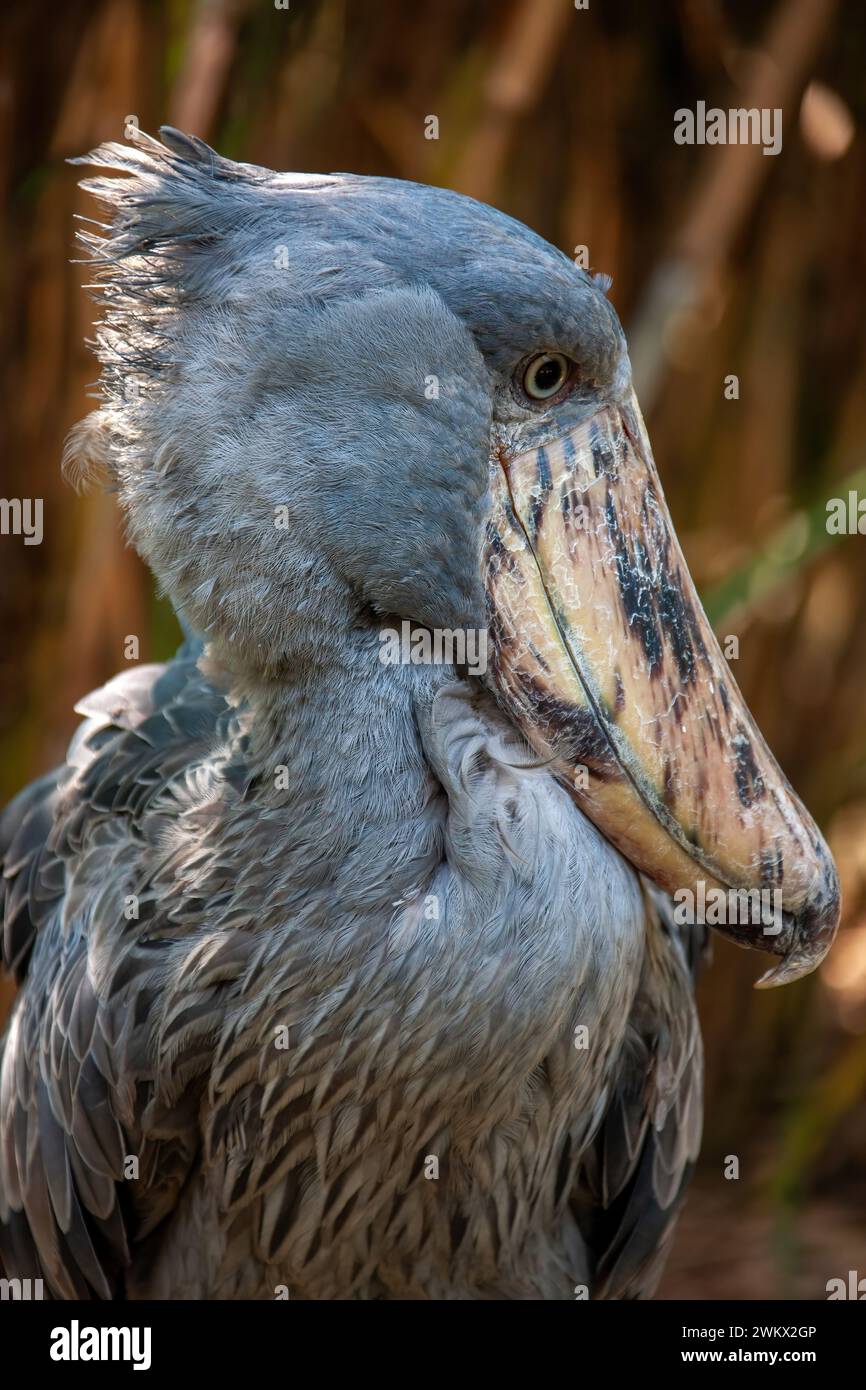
point(545, 374)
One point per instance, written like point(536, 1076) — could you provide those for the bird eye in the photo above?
point(545, 374)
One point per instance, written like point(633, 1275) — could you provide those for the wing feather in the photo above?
point(77, 1060)
point(634, 1178)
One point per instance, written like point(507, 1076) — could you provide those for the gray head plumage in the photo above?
point(287, 341)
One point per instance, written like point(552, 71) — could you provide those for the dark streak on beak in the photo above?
point(604, 658)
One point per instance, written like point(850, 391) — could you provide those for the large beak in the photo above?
point(604, 658)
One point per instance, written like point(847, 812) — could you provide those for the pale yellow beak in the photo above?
point(604, 658)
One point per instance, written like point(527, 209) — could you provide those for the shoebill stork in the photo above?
point(350, 978)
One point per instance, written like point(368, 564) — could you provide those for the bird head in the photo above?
point(332, 400)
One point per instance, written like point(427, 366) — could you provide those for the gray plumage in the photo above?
point(282, 995)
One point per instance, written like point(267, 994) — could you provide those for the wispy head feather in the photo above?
point(177, 204)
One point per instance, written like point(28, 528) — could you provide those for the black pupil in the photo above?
point(548, 374)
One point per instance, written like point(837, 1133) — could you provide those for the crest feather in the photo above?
point(178, 198)
point(177, 201)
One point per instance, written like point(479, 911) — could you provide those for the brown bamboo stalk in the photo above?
point(726, 192)
point(518, 73)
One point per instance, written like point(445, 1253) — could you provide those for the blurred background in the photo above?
point(725, 262)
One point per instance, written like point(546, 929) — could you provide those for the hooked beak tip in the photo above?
point(808, 936)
